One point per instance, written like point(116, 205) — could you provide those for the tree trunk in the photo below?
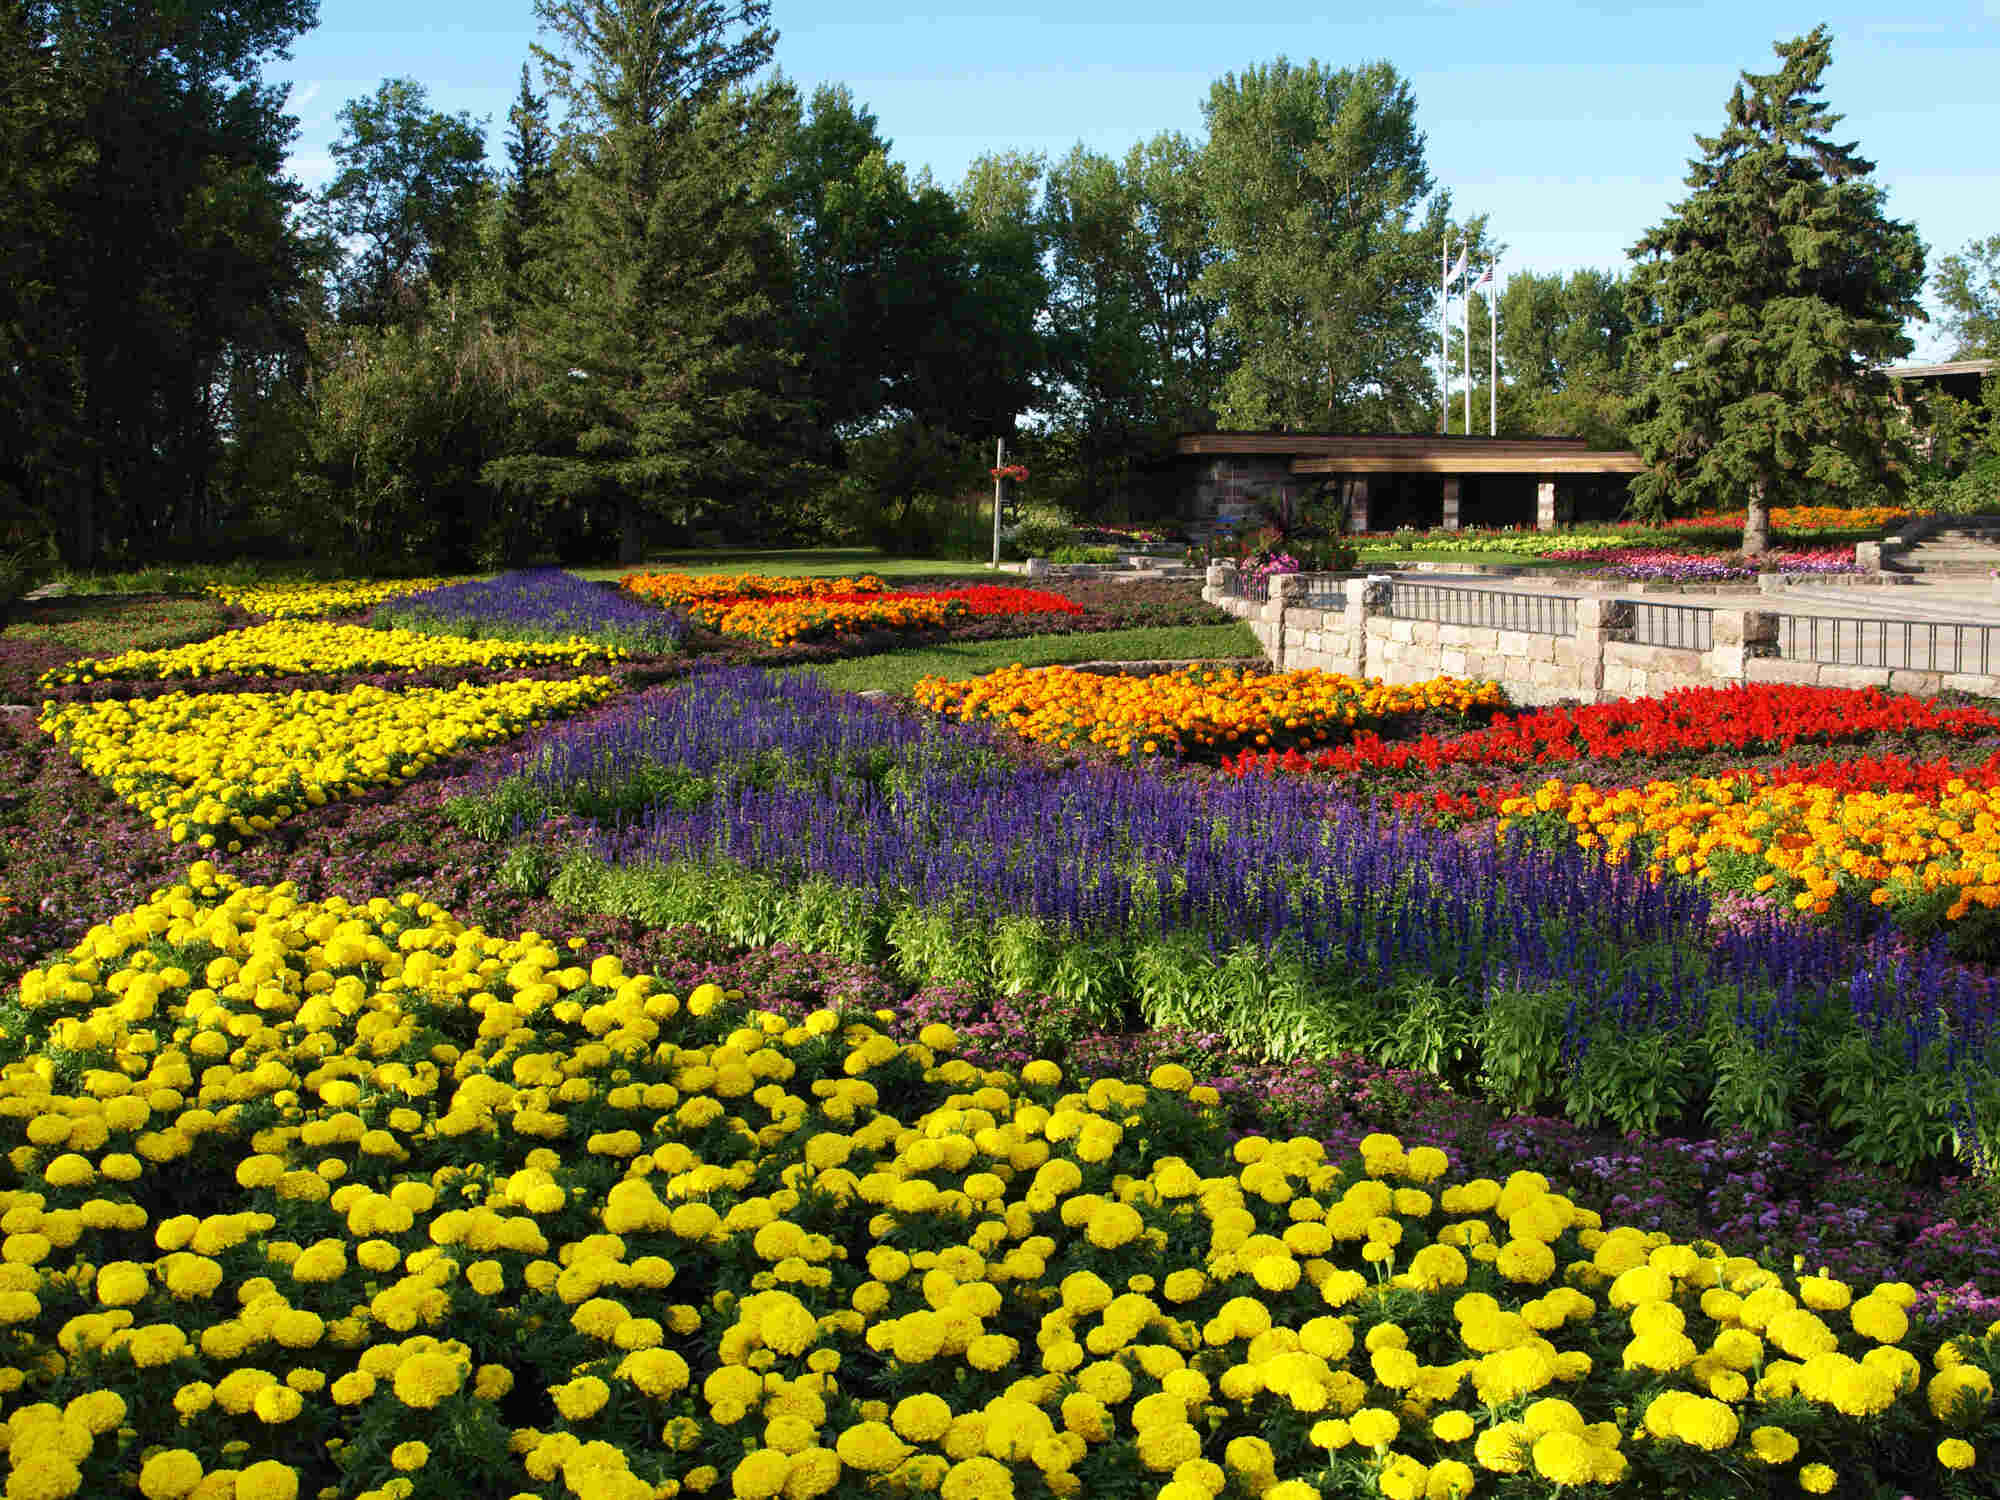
point(631, 542)
point(1757, 523)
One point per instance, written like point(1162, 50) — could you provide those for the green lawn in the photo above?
point(898, 671)
point(819, 562)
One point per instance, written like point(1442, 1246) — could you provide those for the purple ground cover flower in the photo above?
point(538, 604)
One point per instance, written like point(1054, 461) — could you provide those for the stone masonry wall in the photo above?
point(1598, 662)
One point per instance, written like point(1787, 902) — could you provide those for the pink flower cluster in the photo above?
point(1665, 565)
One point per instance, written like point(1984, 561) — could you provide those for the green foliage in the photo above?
point(409, 188)
point(1780, 288)
point(914, 489)
point(1968, 284)
point(406, 419)
point(906, 307)
point(155, 285)
point(1077, 553)
point(1318, 185)
point(1134, 351)
point(527, 200)
point(655, 331)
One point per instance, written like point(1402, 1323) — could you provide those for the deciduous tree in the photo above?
point(1325, 212)
point(409, 190)
point(1968, 284)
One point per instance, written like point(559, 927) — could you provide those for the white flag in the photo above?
point(1457, 270)
point(1485, 276)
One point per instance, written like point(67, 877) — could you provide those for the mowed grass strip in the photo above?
point(898, 671)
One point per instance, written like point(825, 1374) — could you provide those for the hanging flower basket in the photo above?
point(1018, 473)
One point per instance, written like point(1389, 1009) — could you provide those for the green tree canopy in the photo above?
point(1968, 284)
point(1781, 288)
point(150, 277)
point(527, 198)
point(409, 189)
point(904, 305)
point(1325, 213)
point(658, 332)
point(1134, 352)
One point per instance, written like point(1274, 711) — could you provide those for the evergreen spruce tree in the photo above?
point(1780, 289)
point(657, 330)
point(529, 192)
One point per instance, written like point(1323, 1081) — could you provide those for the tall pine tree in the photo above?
point(528, 193)
point(658, 333)
point(1780, 288)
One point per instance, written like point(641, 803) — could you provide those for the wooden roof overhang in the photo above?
point(1413, 453)
point(1469, 462)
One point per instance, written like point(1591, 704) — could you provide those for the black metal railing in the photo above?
point(1485, 609)
point(1238, 584)
point(1897, 645)
point(1679, 627)
point(1321, 591)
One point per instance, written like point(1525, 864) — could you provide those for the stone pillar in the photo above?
point(1599, 621)
point(1357, 504)
point(1038, 567)
point(1545, 505)
point(1737, 636)
point(1211, 588)
point(1285, 587)
point(1868, 556)
point(1367, 598)
point(1451, 503)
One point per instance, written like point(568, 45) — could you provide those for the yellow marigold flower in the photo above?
point(1504, 1448)
point(1773, 1445)
point(761, 1475)
point(1956, 1453)
point(170, 1474)
point(871, 1447)
point(1450, 1480)
point(1816, 1479)
point(979, 1478)
point(1564, 1458)
point(1452, 1426)
point(423, 1380)
point(1704, 1423)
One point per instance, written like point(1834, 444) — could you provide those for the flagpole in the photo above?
point(1493, 349)
point(1444, 355)
point(1465, 334)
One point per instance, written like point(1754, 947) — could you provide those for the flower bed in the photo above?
point(1679, 723)
point(537, 604)
point(289, 647)
point(1196, 711)
point(1665, 565)
point(839, 1294)
point(1523, 543)
point(707, 592)
point(779, 612)
point(1257, 908)
point(990, 601)
point(308, 601)
point(1794, 518)
point(220, 768)
point(1811, 841)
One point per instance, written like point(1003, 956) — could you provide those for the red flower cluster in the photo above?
point(992, 600)
point(1685, 721)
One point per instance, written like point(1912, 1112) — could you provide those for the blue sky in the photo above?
point(1570, 127)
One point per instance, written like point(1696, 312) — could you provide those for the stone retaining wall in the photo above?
point(1597, 661)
